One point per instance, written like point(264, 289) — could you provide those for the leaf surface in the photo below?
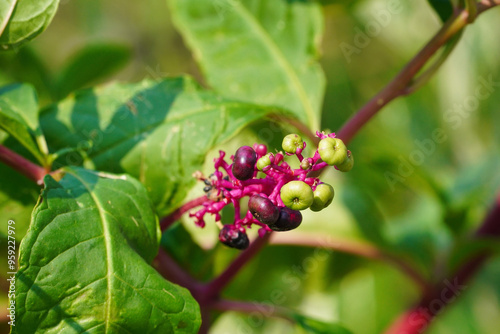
point(21, 21)
point(259, 51)
point(19, 116)
point(84, 263)
point(157, 131)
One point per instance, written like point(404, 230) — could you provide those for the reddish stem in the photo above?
point(166, 221)
point(403, 79)
point(22, 165)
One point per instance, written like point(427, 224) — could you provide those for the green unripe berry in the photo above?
point(297, 195)
point(305, 164)
point(323, 196)
point(347, 165)
point(332, 151)
point(292, 142)
point(264, 161)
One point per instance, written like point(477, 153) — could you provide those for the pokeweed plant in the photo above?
point(113, 159)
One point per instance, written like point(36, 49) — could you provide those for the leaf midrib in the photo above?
point(282, 60)
point(107, 245)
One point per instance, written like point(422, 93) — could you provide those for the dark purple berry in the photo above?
point(244, 163)
point(232, 237)
point(263, 209)
point(288, 220)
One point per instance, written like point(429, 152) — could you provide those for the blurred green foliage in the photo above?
point(408, 193)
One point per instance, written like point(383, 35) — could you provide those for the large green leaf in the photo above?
point(157, 131)
point(91, 63)
point(21, 21)
point(84, 264)
point(19, 117)
point(256, 50)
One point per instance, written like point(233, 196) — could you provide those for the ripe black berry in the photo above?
point(263, 209)
point(244, 163)
point(288, 220)
point(232, 237)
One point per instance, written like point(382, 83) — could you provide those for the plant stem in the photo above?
point(418, 319)
point(351, 247)
point(22, 165)
point(215, 286)
point(166, 221)
point(398, 86)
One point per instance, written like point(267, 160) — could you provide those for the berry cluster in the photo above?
point(276, 199)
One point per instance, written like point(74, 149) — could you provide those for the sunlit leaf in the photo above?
point(84, 264)
point(21, 21)
point(157, 131)
point(259, 51)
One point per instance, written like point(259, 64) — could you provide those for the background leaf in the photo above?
point(19, 116)
point(259, 51)
point(313, 326)
point(89, 64)
point(84, 264)
point(27, 66)
point(24, 21)
point(157, 131)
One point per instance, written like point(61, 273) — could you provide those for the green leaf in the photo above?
point(19, 117)
point(259, 51)
point(444, 8)
point(21, 21)
point(91, 63)
point(313, 326)
point(84, 264)
point(157, 131)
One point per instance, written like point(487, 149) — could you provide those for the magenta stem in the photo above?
point(22, 165)
point(177, 214)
